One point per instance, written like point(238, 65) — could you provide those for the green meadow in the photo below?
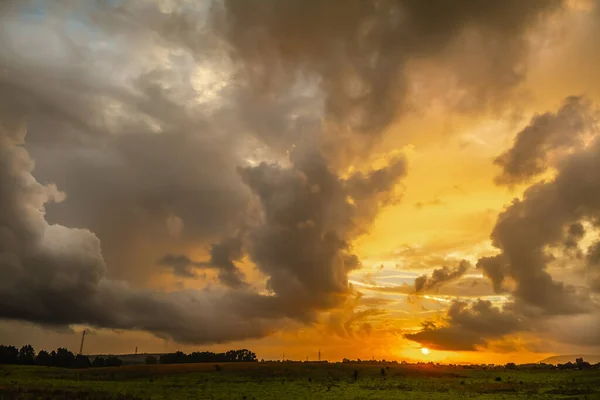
point(281, 381)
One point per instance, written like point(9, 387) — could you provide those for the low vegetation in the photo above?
point(296, 380)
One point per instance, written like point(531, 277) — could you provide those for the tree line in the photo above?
point(179, 357)
point(63, 358)
point(60, 357)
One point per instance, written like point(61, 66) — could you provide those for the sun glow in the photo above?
point(425, 350)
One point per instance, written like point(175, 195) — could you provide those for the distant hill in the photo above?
point(592, 359)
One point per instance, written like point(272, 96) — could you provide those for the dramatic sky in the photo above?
point(363, 177)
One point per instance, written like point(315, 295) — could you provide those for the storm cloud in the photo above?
point(305, 210)
point(56, 275)
point(232, 127)
point(360, 50)
point(310, 216)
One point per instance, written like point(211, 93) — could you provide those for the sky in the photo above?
point(360, 178)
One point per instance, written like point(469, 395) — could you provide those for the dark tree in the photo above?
point(582, 364)
point(53, 358)
point(43, 358)
point(8, 354)
point(112, 361)
point(174, 358)
point(247, 356)
point(151, 360)
point(98, 362)
point(27, 355)
point(511, 365)
point(82, 361)
point(179, 357)
point(63, 358)
point(568, 365)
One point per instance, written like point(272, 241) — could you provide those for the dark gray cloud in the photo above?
point(575, 232)
point(157, 124)
point(593, 254)
point(441, 276)
point(222, 258)
point(123, 131)
point(302, 241)
point(359, 51)
point(468, 326)
point(180, 264)
point(56, 275)
point(593, 264)
point(495, 268)
point(545, 136)
point(151, 171)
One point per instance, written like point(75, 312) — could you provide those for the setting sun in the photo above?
point(425, 350)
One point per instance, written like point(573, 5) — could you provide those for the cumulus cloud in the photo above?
point(114, 117)
point(139, 156)
point(360, 51)
point(56, 275)
point(468, 327)
point(234, 122)
point(441, 276)
point(545, 137)
point(550, 214)
point(63, 272)
point(302, 241)
point(494, 268)
point(540, 219)
point(593, 264)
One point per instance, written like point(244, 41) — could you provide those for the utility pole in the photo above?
point(283, 357)
point(319, 355)
point(82, 339)
point(136, 350)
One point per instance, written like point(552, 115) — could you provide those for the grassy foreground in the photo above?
point(294, 381)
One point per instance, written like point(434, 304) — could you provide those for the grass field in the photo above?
point(294, 381)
